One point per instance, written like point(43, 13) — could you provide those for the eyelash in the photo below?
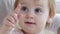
point(24, 8)
point(37, 10)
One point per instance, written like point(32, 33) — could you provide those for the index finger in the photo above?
point(17, 9)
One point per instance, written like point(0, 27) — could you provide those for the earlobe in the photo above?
point(51, 14)
point(49, 20)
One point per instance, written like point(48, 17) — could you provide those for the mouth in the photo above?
point(29, 22)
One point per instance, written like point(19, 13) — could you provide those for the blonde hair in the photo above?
point(51, 6)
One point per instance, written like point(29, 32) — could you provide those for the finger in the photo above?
point(11, 20)
point(10, 24)
point(17, 8)
point(14, 16)
point(17, 17)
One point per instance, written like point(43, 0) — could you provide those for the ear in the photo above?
point(49, 21)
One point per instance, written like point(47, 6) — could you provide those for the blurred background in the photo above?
point(6, 6)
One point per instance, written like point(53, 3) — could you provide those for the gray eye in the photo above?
point(24, 8)
point(37, 10)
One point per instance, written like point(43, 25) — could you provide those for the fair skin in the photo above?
point(32, 17)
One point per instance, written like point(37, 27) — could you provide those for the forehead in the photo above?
point(32, 2)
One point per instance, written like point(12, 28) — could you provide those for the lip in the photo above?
point(30, 22)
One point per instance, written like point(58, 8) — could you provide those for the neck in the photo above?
point(34, 33)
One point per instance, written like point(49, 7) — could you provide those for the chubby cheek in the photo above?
point(41, 22)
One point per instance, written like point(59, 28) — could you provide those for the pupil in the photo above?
point(37, 10)
point(24, 8)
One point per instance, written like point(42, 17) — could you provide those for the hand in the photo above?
point(10, 21)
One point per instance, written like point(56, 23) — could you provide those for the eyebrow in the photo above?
point(39, 5)
point(35, 4)
point(23, 3)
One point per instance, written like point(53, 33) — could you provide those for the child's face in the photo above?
point(35, 14)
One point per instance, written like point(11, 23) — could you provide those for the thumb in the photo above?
point(17, 9)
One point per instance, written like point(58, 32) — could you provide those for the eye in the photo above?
point(37, 10)
point(24, 8)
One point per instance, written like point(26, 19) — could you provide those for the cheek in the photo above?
point(39, 23)
point(41, 20)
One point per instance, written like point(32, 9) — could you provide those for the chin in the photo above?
point(29, 31)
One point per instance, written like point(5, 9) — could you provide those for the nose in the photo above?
point(30, 15)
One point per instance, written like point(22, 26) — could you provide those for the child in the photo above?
point(31, 17)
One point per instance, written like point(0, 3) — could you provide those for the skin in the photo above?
point(39, 17)
point(58, 31)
